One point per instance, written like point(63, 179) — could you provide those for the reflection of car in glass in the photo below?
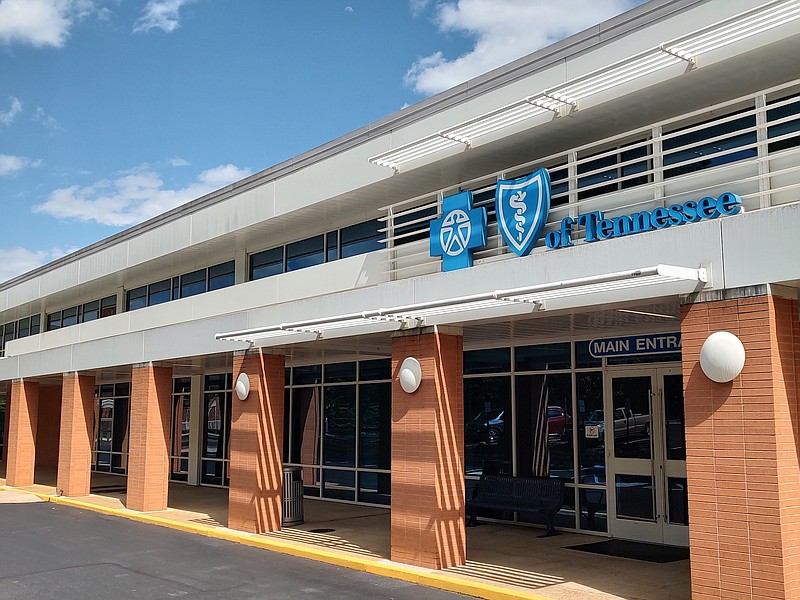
point(486, 428)
point(626, 423)
point(559, 423)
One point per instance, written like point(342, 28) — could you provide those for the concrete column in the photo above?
point(22, 423)
point(148, 464)
point(743, 449)
point(256, 462)
point(427, 521)
point(75, 446)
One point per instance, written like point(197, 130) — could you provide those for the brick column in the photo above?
point(148, 464)
point(256, 463)
point(428, 453)
point(742, 460)
point(77, 419)
point(22, 422)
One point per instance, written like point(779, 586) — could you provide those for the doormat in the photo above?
point(635, 550)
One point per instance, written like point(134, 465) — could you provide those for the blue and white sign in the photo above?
point(631, 345)
point(522, 206)
point(460, 230)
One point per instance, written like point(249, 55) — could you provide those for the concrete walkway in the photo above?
point(504, 561)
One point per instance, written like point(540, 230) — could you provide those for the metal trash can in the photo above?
point(292, 496)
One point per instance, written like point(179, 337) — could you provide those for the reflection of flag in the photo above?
point(541, 449)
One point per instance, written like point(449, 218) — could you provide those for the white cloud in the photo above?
point(133, 197)
point(177, 161)
point(348, 9)
point(47, 121)
point(504, 30)
point(41, 22)
point(16, 261)
point(11, 165)
point(160, 14)
point(7, 117)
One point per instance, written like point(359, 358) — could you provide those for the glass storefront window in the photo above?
point(543, 357)
point(375, 426)
point(373, 370)
point(339, 443)
point(544, 425)
point(305, 426)
point(340, 372)
point(487, 425)
point(180, 429)
point(112, 414)
point(591, 443)
point(494, 360)
point(216, 429)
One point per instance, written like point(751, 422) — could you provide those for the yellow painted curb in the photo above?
point(380, 567)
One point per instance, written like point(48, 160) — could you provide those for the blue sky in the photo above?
point(113, 111)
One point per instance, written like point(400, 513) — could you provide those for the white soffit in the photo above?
point(684, 49)
point(495, 304)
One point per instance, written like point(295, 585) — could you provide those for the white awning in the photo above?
point(495, 304)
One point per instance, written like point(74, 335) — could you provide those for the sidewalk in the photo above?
point(503, 561)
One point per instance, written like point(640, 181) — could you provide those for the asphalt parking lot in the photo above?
point(51, 551)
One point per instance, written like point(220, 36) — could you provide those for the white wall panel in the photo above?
point(103, 262)
point(57, 280)
point(762, 247)
point(170, 237)
point(47, 362)
point(243, 210)
point(118, 350)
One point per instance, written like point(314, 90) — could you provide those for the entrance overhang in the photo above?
point(488, 305)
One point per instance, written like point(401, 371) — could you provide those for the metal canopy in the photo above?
point(495, 304)
point(566, 96)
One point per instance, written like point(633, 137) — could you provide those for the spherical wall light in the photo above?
point(242, 386)
point(410, 375)
point(722, 357)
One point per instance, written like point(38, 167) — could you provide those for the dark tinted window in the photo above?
point(361, 238)
point(193, 283)
point(305, 253)
point(221, 276)
point(266, 263)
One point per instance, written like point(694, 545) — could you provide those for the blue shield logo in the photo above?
point(522, 206)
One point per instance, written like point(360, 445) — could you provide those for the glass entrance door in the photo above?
point(644, 434)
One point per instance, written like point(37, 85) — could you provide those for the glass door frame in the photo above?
point(659, 530)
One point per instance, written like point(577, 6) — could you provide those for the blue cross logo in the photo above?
point(460, 229)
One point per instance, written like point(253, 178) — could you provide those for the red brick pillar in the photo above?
point(428, 453)
point(22, 423)
point(256, 463)
point(148, 464)
point(742, 448)
point(75, 451)
point(4, 456)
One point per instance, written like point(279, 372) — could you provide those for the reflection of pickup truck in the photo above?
point(626, 423)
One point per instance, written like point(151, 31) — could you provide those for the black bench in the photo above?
point(541, 495)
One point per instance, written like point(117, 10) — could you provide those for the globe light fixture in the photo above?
point(722, 357)
point(242, 386)
point(410, 375)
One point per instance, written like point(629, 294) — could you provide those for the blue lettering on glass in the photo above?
point(522, 206)
point(460, 229)
point(598, 227)
point(660, 343)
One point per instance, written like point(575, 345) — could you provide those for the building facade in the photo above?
point(520, 275)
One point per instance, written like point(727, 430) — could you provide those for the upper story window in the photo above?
point(18, 329)
point(341, 243)
point(614, 169)
point(710, 144)
point(188, 284)
point(784, 123)
point(305, 253)
point(73, 315)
